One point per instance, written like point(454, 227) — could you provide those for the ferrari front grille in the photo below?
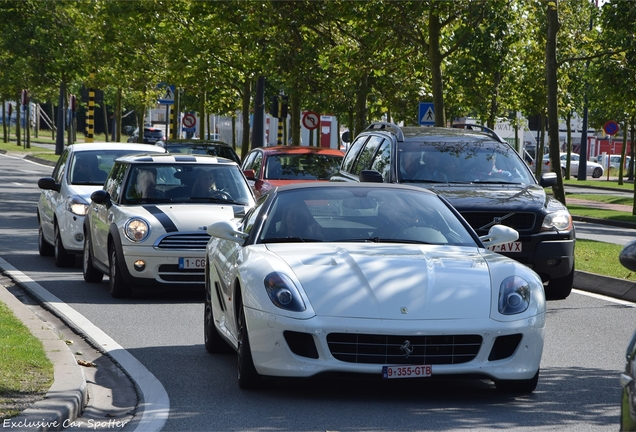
point(391, 350)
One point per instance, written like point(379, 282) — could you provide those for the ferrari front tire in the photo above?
point(214, 343)
point(248, 378)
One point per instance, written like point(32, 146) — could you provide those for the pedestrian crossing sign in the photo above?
point(167, 97)
point(426, 114)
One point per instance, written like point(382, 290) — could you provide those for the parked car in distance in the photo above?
point(593, 169)
point(614, 161)
point(484, 178)
point(268, 167)
point(197, 146)
point(380, 280)
point(65, 197)
point(627, 258)
point(146, 227)
point(151, 135)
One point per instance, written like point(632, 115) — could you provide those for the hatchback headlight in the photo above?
point(514, 295)
point(560, 220)
point(77, 206)
point(283, 293)
point(137, 230)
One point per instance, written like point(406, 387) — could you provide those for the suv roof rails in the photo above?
point(387, 125)
point(481, 128)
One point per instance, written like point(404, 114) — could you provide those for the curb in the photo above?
point(612, 287)
point(67, 397)
point(614, 223)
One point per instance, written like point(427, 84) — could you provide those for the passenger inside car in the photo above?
point(411, 167)
point(204, 183)
point(86, 169)
point(145, 185)
point(297, 221)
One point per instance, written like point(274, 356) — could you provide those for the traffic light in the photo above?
point(273, 107)
point(284, 107)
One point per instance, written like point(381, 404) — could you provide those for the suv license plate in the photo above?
point(191, 263)
point(507, 247)
point(409, 371)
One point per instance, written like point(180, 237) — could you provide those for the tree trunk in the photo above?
point(294, 101)
point(435, 57)
point(118, 116)
point(361, 105)
point(551, 68)
point(203, 118)
point(245, 145)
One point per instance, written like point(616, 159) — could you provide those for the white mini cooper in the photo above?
point(147, 227)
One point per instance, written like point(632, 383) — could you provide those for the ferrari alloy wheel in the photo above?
point(518, 386)
point(248, 378)
point(118, 288)
point(214, 343)
point(44, 247)
point(62, 257)
point(90, 273)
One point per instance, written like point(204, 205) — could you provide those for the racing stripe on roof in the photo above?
point(163, 218)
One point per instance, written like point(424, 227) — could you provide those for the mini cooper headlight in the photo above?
point(283, 293)
point(77, 206)
point(560, 220)
point(514, 295)
point(137, 230)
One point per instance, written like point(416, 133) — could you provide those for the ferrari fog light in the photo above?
point(283, 293)
point(139, 265)
point(137, 230)
point(514, 295)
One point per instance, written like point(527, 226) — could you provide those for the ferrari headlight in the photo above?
point(283, 293)
point(514, 295)
point(77, 206)
point(137, 230)
point(560, 220)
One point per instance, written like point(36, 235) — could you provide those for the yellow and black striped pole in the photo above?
point(280, 121)
point(171, 129)
point(90, 116)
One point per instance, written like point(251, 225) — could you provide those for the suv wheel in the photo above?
point(560, 288)
point(118, 288)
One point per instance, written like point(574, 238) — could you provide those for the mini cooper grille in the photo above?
point(196, 241)
point(171, 273)
point(376, 349)
point(504, 347)
point(518, 221)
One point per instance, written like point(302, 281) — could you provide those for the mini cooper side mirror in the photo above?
point(100, 197)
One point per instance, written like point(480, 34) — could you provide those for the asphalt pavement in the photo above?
point(92, 389)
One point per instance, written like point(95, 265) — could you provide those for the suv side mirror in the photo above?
point(548, 179)
point(371, 176)
point(627, 256)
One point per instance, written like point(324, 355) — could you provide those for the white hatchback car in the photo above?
point(592, 168)
point(147, 226)
point(80, 171)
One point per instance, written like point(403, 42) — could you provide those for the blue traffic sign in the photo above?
point(426, 114)
point(167, 94)
point(611, 127)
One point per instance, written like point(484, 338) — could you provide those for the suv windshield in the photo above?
point(460, 163)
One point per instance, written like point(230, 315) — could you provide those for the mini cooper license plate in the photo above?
point(507, 247)
point(191, 263)
point(408, 371)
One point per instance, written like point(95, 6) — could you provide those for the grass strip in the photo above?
point(26, 373)
point(600, 258)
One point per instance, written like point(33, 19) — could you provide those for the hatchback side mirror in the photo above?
point(48, 183)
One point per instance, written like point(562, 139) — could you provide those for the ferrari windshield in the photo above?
point(342, 213)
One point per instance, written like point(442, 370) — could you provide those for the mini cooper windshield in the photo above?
point(186, 183)
point(363, 215)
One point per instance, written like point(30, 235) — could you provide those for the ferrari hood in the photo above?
point(364, 280)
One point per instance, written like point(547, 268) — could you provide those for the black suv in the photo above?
point(151, 135)
point(484, 178)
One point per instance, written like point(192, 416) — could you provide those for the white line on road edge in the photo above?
point(155, 405)
point(602, 297)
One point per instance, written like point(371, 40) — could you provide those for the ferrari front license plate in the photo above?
point(506, 247)
point(191, 263)
point(409, 371)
